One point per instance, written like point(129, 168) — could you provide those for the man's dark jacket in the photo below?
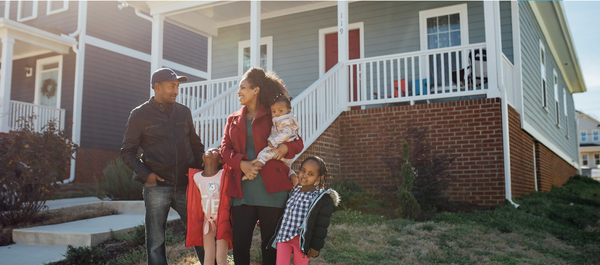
point(168, 140)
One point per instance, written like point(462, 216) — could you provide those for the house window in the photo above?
point(27, 10)
point(543, 73)
point(584, 159)
point(583, 136)
point(266, 55)
point(556, 97)
point(48, 81)
point(54, 7)
point(595, 136)
point(597, 159)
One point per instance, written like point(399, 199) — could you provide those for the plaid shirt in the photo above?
point(296, 210)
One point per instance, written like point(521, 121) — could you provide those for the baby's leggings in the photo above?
point(285, 250)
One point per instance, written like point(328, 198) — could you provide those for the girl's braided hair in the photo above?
point(270, 85)
point(323, 177)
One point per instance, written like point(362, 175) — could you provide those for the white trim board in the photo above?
point(141, 56)
point(324, 31)
point(246, 44)
point(538, 136)
point(461, 9)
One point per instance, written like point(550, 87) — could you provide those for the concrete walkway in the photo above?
point(42, 244)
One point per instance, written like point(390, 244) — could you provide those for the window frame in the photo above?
point(543, 80)
point(246, 44)
point(595, 136)
point(463, 13)
point(597, 159)
point(52, 12)
point(583, 136)
point(34, 11)
point(584, 160)
point(556, 98)
point(38, 74)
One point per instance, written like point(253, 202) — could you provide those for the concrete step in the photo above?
point(31, 255)
point(80, 233)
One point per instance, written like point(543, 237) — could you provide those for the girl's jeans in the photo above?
point(158, 201)
point(285, 250)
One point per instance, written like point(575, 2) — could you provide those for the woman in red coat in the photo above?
point(262, 197)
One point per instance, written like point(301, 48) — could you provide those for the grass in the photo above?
point(557, 227)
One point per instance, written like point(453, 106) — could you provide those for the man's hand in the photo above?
point(313, 253)
point(152, 178)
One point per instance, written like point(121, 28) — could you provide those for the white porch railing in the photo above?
point(422, 75)
point(196, 94)
point(507, 72)
point(211, 117)
point(20, 111)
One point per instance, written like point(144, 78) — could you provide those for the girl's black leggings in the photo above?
point(244, 221)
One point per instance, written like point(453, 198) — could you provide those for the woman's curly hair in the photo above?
point(270, 85)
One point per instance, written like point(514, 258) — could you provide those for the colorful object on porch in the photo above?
point(49, 87)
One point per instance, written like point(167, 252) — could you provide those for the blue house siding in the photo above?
point(110, 91)
point(390, 27)
point(543, 121)
point(185, 47)
point(63, 22)
point(506, 28)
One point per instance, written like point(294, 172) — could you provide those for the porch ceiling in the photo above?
point(206, 17)
point(31, 41)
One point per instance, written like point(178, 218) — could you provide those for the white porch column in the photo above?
point(156, 57)
point(7, 9)
point(342, 18)
point(255, 34)
point(493, 43)
point(8, 44)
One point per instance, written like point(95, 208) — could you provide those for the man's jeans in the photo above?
point(158, 201)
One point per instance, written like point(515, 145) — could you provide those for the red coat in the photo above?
point(195, 213)
point(233, 149)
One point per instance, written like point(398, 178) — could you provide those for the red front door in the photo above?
point(331, 55)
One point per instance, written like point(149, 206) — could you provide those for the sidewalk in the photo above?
point(42, 244)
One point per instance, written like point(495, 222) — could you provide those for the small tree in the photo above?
point(409, 207)
point(118, 183)
point(31, 164)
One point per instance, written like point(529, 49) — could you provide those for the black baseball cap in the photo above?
point(165, 74)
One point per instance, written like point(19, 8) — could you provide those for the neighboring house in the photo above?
point(85, 62)
point(493, 81)
point(589, 146)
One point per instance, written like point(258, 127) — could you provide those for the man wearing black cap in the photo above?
point(165, 133)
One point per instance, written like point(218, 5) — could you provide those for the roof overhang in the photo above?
point(553, 22)
point(30, 41)
point(206, 17)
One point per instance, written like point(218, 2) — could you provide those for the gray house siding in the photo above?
point(184, 47)
point(506, 28)
point(110, 91)
point(63, 22)
point(544, 121)
point(390, 27)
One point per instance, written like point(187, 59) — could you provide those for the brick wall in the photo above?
point(471, 130)
point(92, 162)
point(550, 168)
point(521, 157)
point(327, 146)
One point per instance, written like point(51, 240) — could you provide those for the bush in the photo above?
point(409, 207)
point(83, 255)
point(137, 235)
point(431, 178)
point(118, 183)
point(31, 164)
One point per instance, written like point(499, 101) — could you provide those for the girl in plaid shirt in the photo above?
point(303, 227)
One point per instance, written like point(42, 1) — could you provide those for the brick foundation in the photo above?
point(550, 168)
point(521, 157)
point(92, 162)
point(327, 146)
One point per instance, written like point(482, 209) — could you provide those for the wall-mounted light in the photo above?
point(28, 71)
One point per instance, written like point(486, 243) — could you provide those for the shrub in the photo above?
point(83, 255)
point(118, 183)
point(409, 207)
point(431, 178)
point(346, 190)
point(31, 164)
point(137, 235)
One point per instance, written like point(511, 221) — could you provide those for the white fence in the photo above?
point(196, 94)
point(433, 74)
point(20, 111)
